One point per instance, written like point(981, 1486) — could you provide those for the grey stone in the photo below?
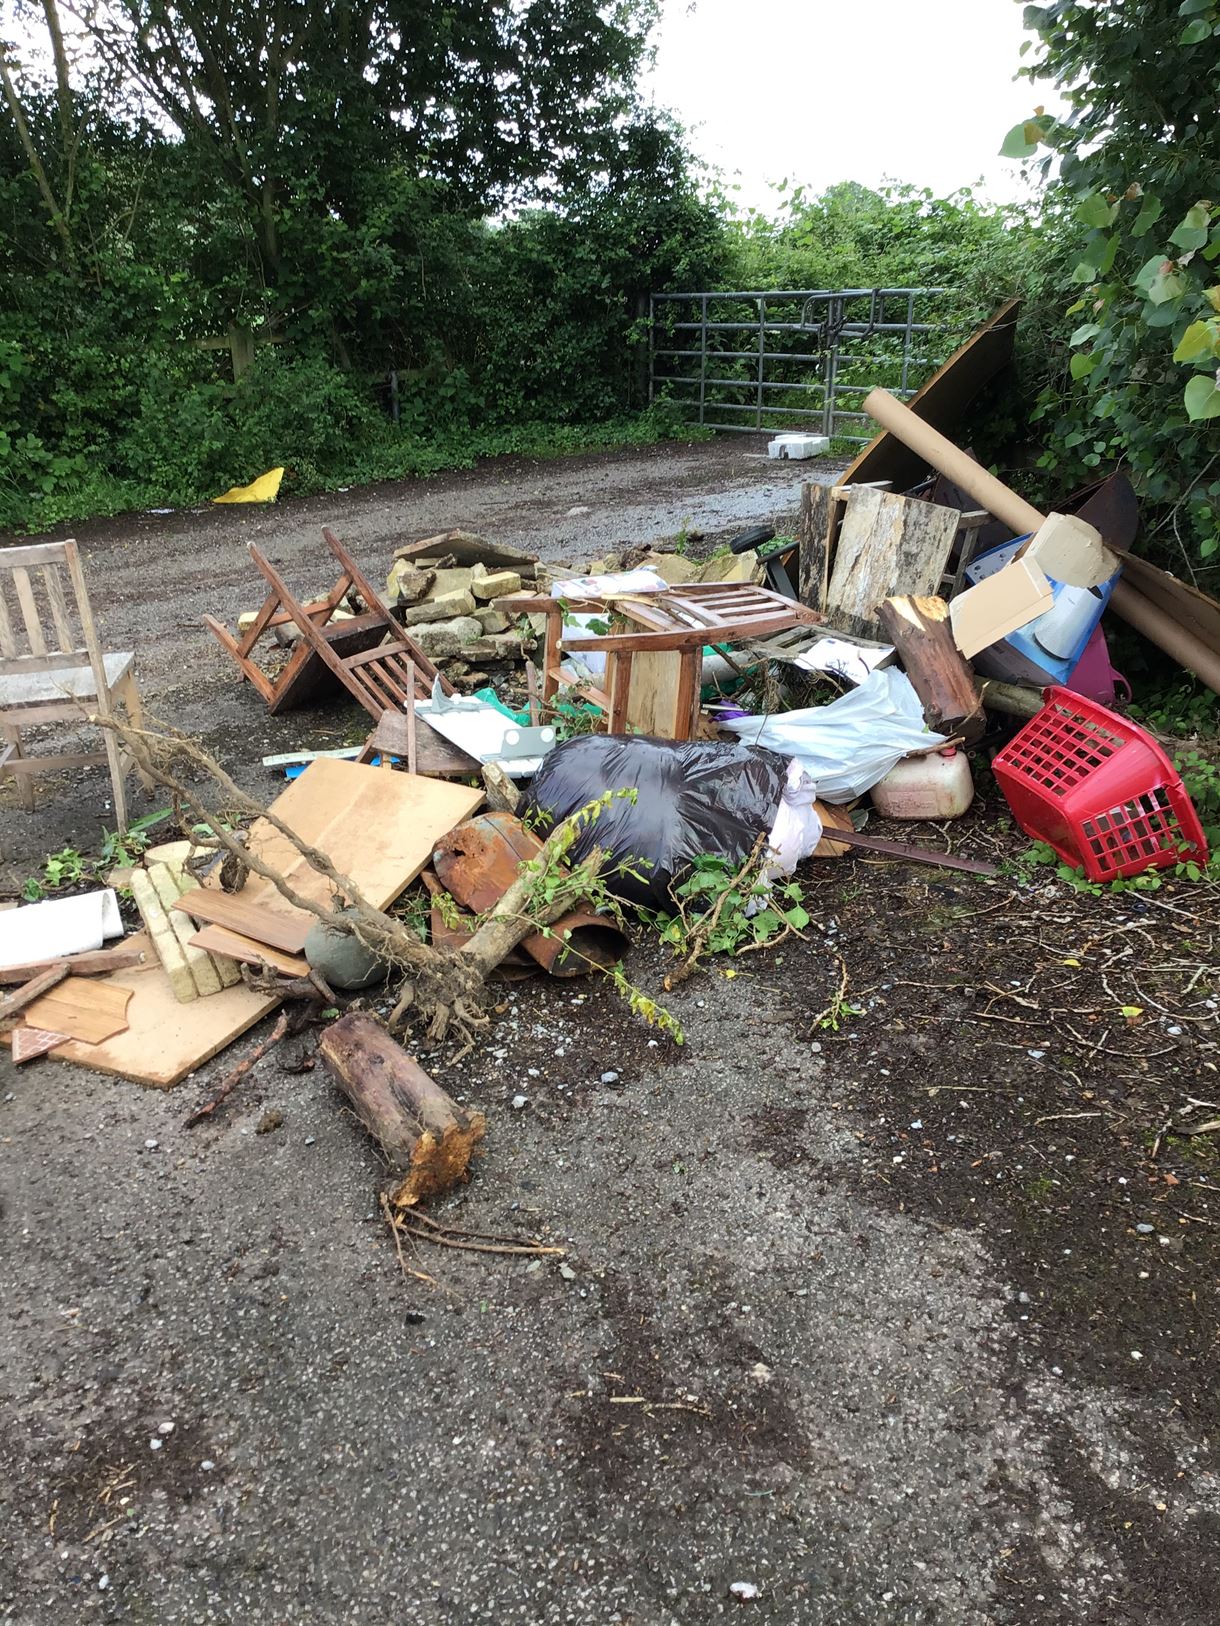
point(341, 959)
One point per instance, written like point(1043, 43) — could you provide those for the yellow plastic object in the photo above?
point(265, 489)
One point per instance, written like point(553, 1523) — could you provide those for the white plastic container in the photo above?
point(938, 785)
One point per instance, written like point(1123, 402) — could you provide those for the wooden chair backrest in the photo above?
point(45, 621)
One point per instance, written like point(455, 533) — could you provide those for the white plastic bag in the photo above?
point(846, 747)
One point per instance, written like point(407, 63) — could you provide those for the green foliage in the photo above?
point(726, 908)
point(1139, 377)
point(70, 867)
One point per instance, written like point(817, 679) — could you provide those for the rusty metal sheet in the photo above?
point(478, 862)
point(512, 968)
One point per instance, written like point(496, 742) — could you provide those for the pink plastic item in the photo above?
point(1093, 675)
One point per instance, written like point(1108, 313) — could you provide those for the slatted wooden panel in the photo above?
point(35, 620)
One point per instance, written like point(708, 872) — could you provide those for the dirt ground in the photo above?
point(891, 1293)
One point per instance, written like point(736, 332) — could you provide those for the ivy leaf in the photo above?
point(1166, 285)
point(1202, 398)
point(1194, 32)
point(1022, 140)
point(1150, 212)
point(1212, 295)
point(1191, 234)
point(1083, 363)
point(1095, 211)
point(1199, 340)
point(1086, 331)
point(1192, 8)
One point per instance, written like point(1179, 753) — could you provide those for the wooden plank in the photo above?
point(232, 945)
point(283, 928)
point(87, 1009)
point(29, 991)
point(164, 1040)
point(39, 553)
point(29, 611)
point(438, 758)
point(887, 545)
point(91, 963)
point(913, 855)
point(59, 609)
point(8, 643)
point(941, 402)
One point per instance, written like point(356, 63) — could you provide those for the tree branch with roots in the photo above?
point(442, 991)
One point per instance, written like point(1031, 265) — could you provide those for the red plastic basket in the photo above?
point(1099, 790)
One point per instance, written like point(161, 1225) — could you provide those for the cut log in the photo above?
point(941, 676)
point(428, 1139)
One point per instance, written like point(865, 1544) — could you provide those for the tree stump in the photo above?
point(426, 1136)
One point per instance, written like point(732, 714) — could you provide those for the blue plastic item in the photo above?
point(1047, 649)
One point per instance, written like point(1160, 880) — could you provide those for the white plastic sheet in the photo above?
point(59, 926)
point(846, 747)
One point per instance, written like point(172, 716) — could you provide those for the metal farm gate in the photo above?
point(774, 359)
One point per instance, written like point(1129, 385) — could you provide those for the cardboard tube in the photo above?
point(993, 495)
point(952, 462)
point(1167, 634)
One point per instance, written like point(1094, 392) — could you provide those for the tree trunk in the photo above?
point(427, 1137)
point(940, 674)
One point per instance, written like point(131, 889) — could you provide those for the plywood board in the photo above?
point(377, 828)
point(887, 545)
point(165, 1040)
point(90, 1009)
point(821, 506)
point(941, 402)
point(232, 945)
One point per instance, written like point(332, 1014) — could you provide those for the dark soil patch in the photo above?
point(1023, 1058)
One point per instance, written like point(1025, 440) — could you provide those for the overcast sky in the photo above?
point(822, 91)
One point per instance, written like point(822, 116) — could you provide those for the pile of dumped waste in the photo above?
point(627, 723)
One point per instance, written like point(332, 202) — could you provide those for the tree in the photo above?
point(1140, 179)
point(288, 101)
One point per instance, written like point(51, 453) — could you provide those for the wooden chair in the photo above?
point(367, 653)
point(53, 673)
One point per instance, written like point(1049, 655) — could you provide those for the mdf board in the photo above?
point(165, 1040)
point(887, 545)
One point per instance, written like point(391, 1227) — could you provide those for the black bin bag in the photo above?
point(693, 797)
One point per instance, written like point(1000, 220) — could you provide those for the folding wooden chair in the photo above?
point(368, 653)
point(55, 673)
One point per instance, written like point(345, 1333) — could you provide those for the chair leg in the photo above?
point(25, 781)
point(135, 716)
